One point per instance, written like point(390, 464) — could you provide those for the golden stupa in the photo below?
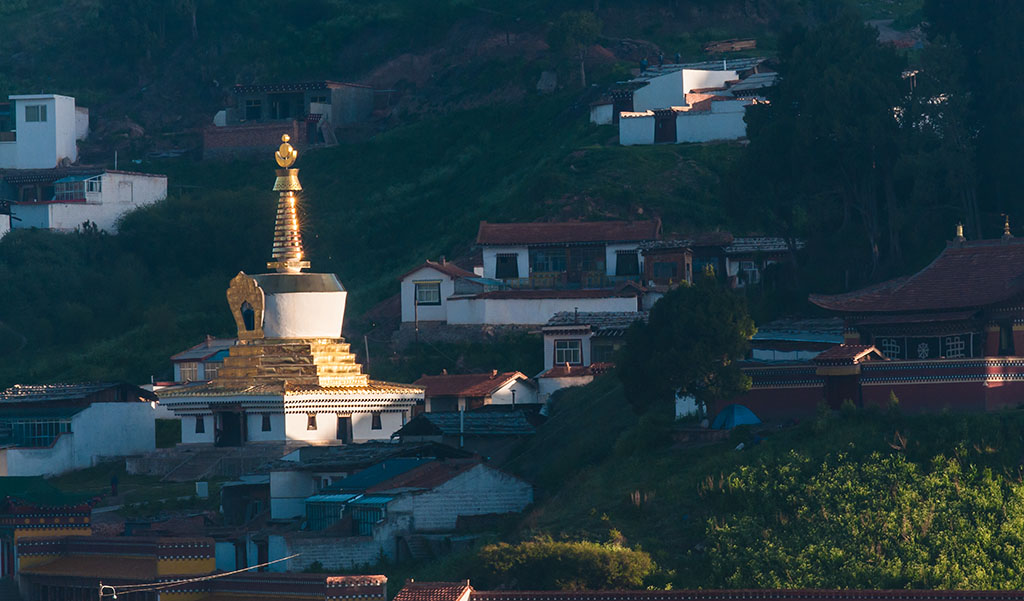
point(290, 356)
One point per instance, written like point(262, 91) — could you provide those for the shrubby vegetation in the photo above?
point(544, 564)
point(879, 521)
point(853, 499)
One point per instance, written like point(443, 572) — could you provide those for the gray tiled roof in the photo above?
point(598, 320)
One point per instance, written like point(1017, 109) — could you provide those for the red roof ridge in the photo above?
point(480, 384)
point(446, 267)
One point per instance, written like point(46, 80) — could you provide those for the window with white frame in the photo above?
point(35, 113)
point(428, 293)
point(569, 351)
point(211, 369)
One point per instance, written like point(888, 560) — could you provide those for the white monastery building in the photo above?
point(291, 377)
point(530, 272)
point(51, 429)
point(698, 102)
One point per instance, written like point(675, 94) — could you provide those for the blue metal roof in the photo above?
point(381, 472)
point(74, 178)
point(372, 500)
point(335, 498)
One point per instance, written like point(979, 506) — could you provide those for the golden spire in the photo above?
point(287, 253)
point(1006, 226)
point(960, 232)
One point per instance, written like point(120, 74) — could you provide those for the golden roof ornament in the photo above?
point(1006, 226)
point(287, 252)
point(960, 233)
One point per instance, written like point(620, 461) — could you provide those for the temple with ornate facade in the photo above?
point(291, 377)
point(950, 336)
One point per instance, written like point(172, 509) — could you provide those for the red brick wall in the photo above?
point(233, 140)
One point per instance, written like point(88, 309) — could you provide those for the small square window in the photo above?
point(200, 424)
point(189, 371)
point(375, 421)
point(506, 266)
point(568, 351)
point(311, 422)
point(428, 293)
point(627, 262)
point(266, 426)
point(35, 112)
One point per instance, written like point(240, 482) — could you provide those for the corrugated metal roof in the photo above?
point(372, 500)
point(331, 498)
point(205, 349)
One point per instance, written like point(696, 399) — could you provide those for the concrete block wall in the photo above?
point(480, 491)
point(346, 552)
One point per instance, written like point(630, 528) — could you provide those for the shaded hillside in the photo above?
point(90, 305)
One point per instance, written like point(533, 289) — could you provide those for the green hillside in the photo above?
point(468, 139)
point(90, 305)
point(844, 500)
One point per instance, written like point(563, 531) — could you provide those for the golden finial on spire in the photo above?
point(286, 155)
point(287, 253)
point(960, 231)
point(1006, 226)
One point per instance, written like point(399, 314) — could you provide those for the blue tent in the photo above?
point(732, 416)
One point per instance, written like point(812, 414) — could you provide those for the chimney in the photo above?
point(494, 373)
point(444, 261)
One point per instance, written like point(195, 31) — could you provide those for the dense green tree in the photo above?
point(690, 345)
point(544, 564)
point(573, 34)
point(986, 36)
point(823, 152)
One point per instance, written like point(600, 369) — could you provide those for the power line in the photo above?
point(156, 586)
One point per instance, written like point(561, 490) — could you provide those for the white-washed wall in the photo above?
point(425, 312)
point(548, 386)
point(636, 130)
point(481, 490)
point(496, 311)
point(525, 393)
point(490, 254)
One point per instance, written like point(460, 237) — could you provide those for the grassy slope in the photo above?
point(594, 443)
